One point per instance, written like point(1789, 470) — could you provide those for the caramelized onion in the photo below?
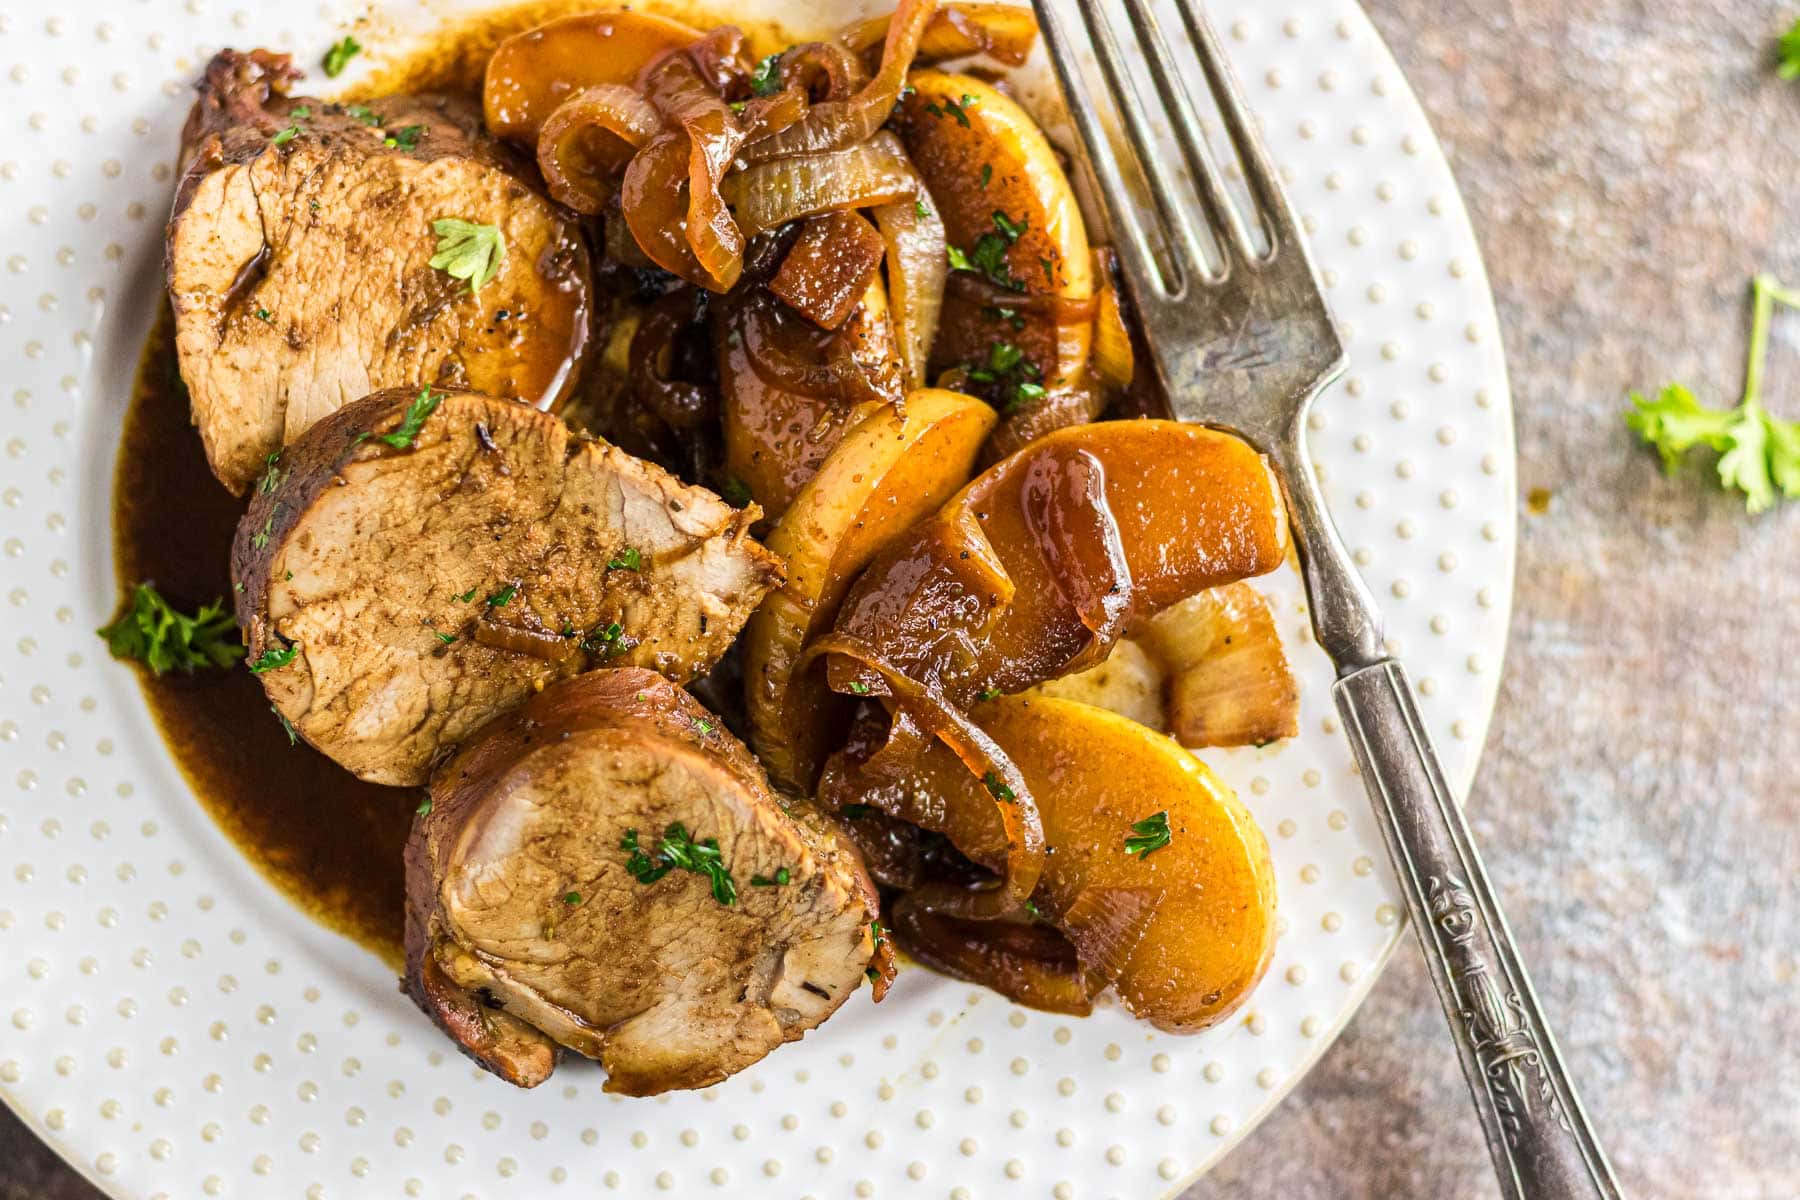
point(1002, 32)
point(870, 173)
point(835, 124)
point(537, 643)
point(1029, 963)
point(589, 138)
point(654, 197)
point(683, 88)
point(821, 71)
point(916, 266)
point(680, 404)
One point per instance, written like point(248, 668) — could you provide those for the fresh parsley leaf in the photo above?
point(1759, 453)
point(339, 56)
point(263, 314)
point(285, 136)
point(677, 850)
point(998, 788)
point(405, 138)
point(424, 806)
point(1004, 356)
point(572, 899)
point(406, 434)
point(766, 79)
point(503, 597)
point(989, 693)
point(271, 475)
point(920, 208)
point(607, 641)
point(300, 112)
point(960, 109)
point(468, 595)
point(446, 638)
point(703, 727)
point(987, 173)
point(1149, 835)
point(365, 114)
point(735, 492)
point(859, 687)
point(959, 261)
point(989, 253)
point(286, 725)
point(1023, 394)
point(1787, 50)
point(155, 634)
point(468, 251)
point(271, 659)
point(1008, 228)
point(780, 879)
point(628, 559)
point(1032, 908)
point(260, 538)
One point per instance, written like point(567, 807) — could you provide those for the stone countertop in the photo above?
point(1628, 166)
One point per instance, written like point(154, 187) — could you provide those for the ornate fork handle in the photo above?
point(1542, 1145)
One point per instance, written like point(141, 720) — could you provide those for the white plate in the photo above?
point(175, 1029)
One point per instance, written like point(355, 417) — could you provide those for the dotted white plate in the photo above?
point(175, 1029)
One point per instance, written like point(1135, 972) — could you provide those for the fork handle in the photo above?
point(1541, 1142)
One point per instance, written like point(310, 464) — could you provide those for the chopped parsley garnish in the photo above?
point(677, 850)
point(780, 879)
point(365, 114)
point(859, 687)
point(954, 108)
point(607, 640)
point(703, 727)
point(406, 434)
point(735, 492)
point(468, 251)
point(272, 658)
point(468, 595)
point(1148, 835)
point(300, 112)
point(995, 312)
point(286, 725)
point(339, 56)
point(406, 138)
point(285, 136)
point(1007, 366)
point(424, 806)
point(878, 933)
point(989, 693)
point(628, 559)
point(998, 788)
point(766, 79)
point(989, 253)
point(166, 640)
point(1787, 51)
point(263, 314)
point(260, 538)
point(987, 173)
point(272, 475)
point(502, 597)
point(572, 899)
point(1032, 908)
point(446, 638)
point(920, 208)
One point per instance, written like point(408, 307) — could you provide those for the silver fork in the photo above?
point(1247, 349)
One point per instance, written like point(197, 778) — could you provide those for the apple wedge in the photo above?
point(531, 73)
point(888, 471)
point(1021, 296)
point(1181, 928)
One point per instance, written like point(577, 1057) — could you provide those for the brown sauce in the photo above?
point(331, 843)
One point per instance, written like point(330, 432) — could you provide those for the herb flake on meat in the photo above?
point(272, 658)
point(339, 56)
point(468, 251)
point(677, 850)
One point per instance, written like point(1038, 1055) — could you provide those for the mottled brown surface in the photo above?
point(1628, 166)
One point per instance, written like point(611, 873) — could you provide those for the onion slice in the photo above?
point(589, 138)
point(677, 88)
point(835, 124)
point(916, 268)
point(869, 174)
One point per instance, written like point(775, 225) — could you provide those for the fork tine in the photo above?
point(1121, 206)
point(1228, 226)
point(1164, 189)
point(1259, 168)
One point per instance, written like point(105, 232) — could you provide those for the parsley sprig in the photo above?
point(766, 79)
point(1149, 835)
point(274, 658)
point(406, 434)
point(1759, 453)
point(163, 639)
point(677, 850)
point(1787, 51)
point(468, 251)
point(1017, 375)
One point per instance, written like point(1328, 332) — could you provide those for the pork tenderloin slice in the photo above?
point(424, 588)
point(299, 251)
point(523, 906)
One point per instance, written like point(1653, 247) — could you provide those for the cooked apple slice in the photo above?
point(1024, 278)
point(532, 72)
point(888, 471)
point(1182, 926)
point(1130, 683)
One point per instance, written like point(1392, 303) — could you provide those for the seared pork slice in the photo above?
point(299, 260)
point(606, 870)
point(421, 561)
